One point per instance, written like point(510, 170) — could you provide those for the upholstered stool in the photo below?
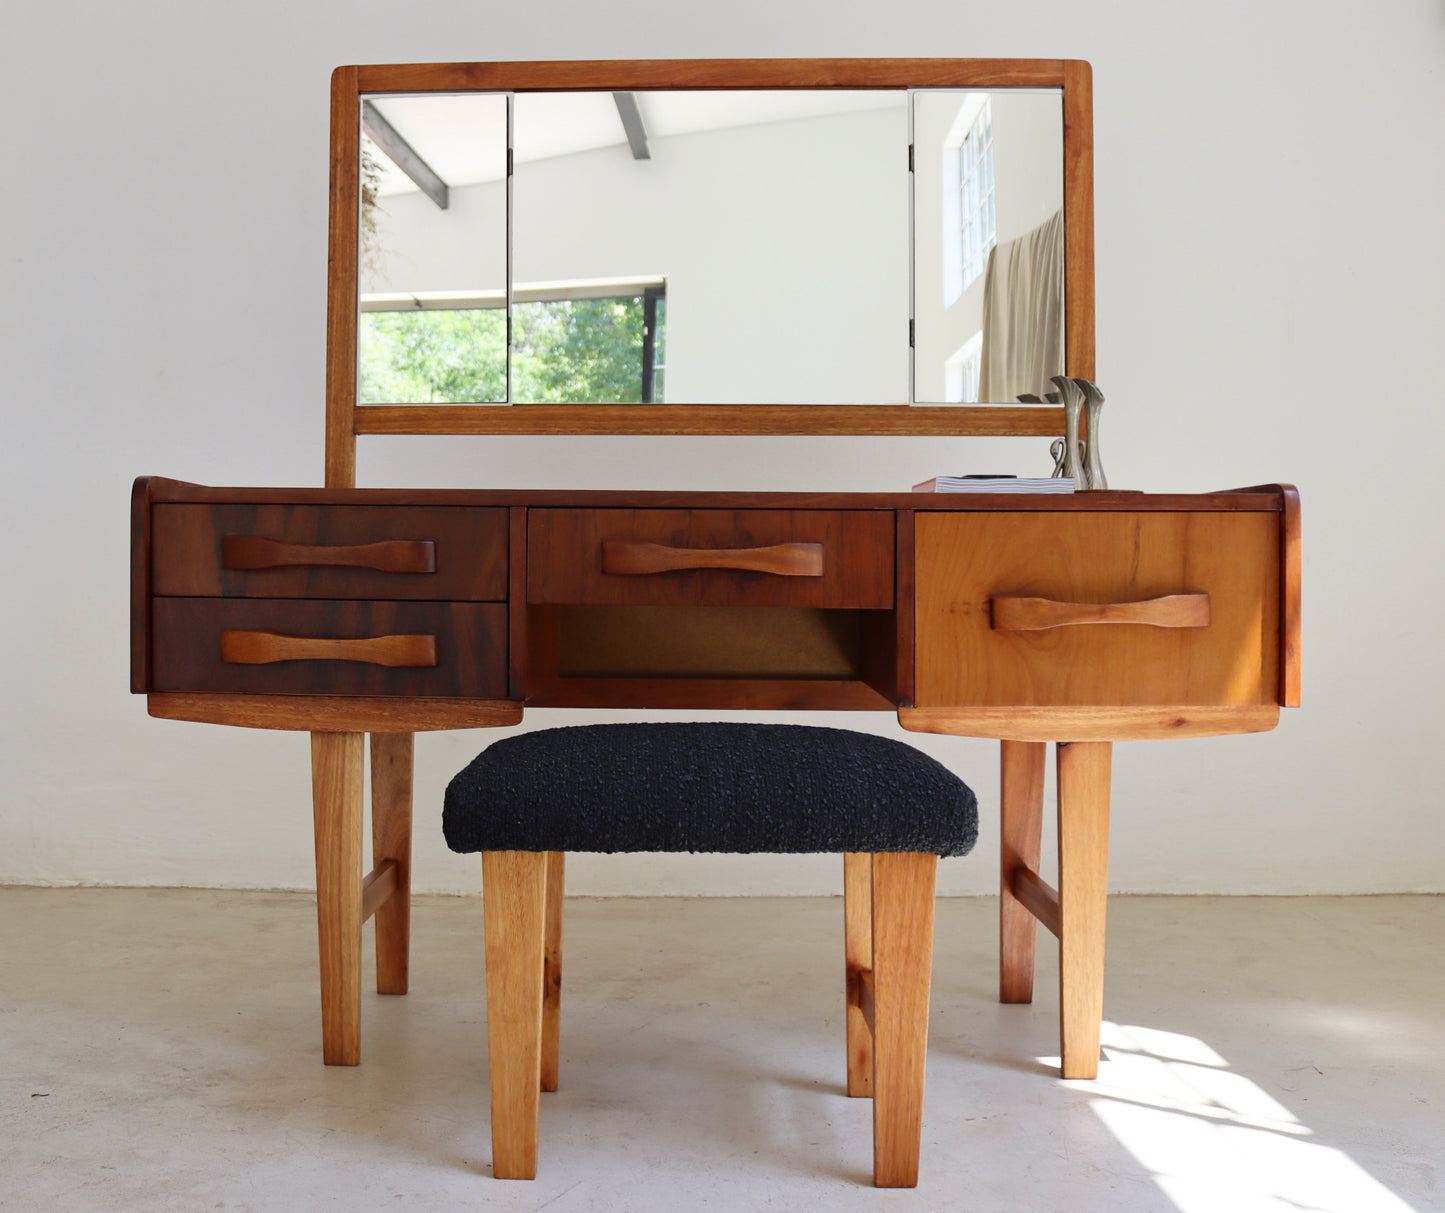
point(741, 788)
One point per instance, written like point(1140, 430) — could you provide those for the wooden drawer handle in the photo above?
point(387, 556)
point(783, 559)
point(1036, 614)
point(262, 648)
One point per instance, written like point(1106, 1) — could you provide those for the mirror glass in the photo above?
point(432, 327)
point(988, 244)
point(711, 247)
point(771, 226)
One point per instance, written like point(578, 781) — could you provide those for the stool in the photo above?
point(735, 788)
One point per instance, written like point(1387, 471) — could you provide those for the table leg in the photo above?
point(336, 760)
point(1022, 814)
point(391, 782)
point(1083, 771)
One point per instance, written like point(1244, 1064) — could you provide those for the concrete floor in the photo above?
point(159, 1049)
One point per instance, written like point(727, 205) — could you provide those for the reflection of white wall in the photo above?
point(1028, 161)
point(785, 248)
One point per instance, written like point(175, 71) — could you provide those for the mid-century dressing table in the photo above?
point(344, 612)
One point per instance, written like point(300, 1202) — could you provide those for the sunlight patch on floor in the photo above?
point(1214, 1140)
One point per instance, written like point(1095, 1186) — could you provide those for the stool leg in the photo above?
point(903, 892)
point(514, 894)
point(552, 972)
point(1084, 769)
point(858, 960)
point(391, 770)
point(336, 801)
point(1022, 814)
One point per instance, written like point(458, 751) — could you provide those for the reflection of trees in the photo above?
point(577, 350)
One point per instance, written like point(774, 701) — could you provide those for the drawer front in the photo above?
point(813, 558)
point(1098, 609)
point(435, 553)
point(281, 647)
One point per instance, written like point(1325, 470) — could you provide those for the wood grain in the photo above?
point(629, 75)
point(376, 887)
point(1021, 809)
point(140, 582)
point(392, 760)
point(336, 803)
point(1291, 560)
point(566, 557)
point(1079, 325)
point(1160, 723)
point(518, 644)
point(861, 420)
point(905, 620)
point(965, 560)
point(197, 547)
point(267, 648)
point(1039, 897)
point(1263, 499)
point(779, 559)
point(1008, 614)
point(335, 713)
point(514, 894)
point(552, 971)
point(721, 694)
point(903, 892)
point(386, 556)
point(470, 658)
point(857, 960)
point(1083, 805)
point(343, 249)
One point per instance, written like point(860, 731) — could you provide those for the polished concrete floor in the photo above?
point(159, 1050)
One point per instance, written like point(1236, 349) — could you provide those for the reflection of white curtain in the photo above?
point(1023, 314)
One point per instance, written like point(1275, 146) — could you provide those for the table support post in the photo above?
point(391, 799)
point(1083, 804)
point(336, 771)
point(1022, 823)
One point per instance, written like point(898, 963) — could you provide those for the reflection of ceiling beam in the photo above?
point(403, 155)
point(632, 124)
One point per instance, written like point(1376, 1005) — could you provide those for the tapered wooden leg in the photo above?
point(391, 774)
point(903, 890)
point(858, 959)
point(514, 896)
point(1022, 814)
point(336, 801)
point(552, 972)
point(1084, 771)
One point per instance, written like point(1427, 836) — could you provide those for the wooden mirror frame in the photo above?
point(345, 418)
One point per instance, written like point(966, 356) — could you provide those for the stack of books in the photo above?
point(996, 484)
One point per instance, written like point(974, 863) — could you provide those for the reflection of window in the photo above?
point(969, 230)
point(572, 342)
point(961, 372)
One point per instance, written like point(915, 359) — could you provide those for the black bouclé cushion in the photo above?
point(733, 788)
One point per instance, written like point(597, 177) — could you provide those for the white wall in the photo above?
point(164, 271)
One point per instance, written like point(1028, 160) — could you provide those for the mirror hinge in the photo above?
point(509, 159)
point(910, 157)
point(910, 334)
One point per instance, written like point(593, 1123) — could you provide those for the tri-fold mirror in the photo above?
point(721, 236)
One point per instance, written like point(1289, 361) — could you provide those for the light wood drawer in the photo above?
point(1079, 609)
point(436, 553)
point(812, 558)
point(286, 647)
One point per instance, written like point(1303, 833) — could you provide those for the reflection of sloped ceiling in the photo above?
point(464, 137)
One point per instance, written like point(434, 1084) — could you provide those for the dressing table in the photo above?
point(351, 612)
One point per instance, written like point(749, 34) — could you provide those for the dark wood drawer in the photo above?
point(228, 644)
point(814, 558)
point(437, 553)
